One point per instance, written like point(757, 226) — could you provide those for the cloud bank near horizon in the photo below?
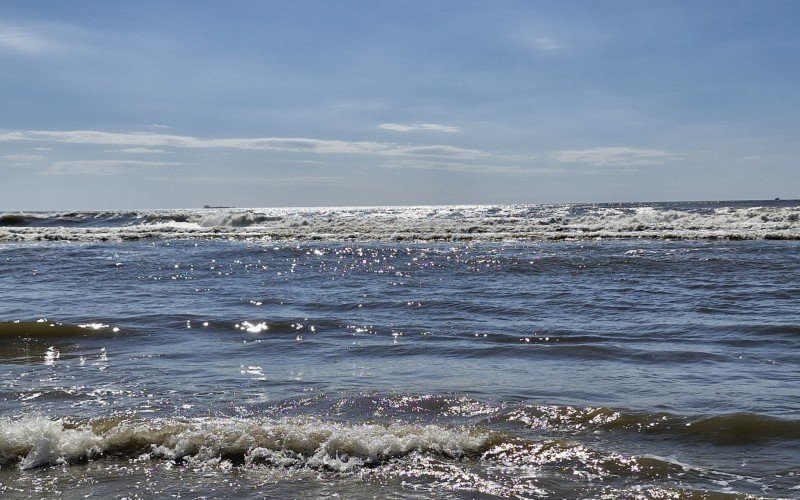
point(418, 157)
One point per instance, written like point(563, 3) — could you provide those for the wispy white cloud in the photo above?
point(25, 40)
point(545, 43)
point(322, 146)
point(435, 156)
point(432, 127)
point(20, 160)
point(288, 144)
point(533, 41)
point(102, 167)
point(466, 167)
point(35, 39)
point(140, 150)
point(519, 158)
point(272, 181)
point(438, 151)
point(614, 157)
point(133, 139)
point(13, 136)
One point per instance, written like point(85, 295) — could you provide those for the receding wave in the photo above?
point(732, 221)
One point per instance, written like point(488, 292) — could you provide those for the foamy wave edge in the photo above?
point(38, 441)
point(150, 234)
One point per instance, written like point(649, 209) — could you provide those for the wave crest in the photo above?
point(306, 442)
point(43, 328)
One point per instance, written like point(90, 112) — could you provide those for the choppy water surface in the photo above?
point(571, 369)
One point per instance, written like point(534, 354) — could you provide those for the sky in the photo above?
point(180, 104)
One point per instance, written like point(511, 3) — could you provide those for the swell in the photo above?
point(563, 420)
point(25, 342)
point(44, 329)
point(13, 220)
point(526, 347)
point(69, 219)
point(722, 430)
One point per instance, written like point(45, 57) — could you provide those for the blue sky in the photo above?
point(111, 105)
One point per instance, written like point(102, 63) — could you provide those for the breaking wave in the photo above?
point(292, 442)
point(308, 442)
point(709, 220)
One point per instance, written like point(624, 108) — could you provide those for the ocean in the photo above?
point(642, 350)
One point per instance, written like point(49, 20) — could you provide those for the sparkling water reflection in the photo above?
point(568, 369)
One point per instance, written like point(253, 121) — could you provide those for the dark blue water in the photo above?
point(567, 369)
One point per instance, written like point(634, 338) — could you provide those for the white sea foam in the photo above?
point(37, 441)
point(301, 442)
point(425, 223)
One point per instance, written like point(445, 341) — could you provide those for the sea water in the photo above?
point(574, 351)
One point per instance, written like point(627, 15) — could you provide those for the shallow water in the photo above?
point(571, 369)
